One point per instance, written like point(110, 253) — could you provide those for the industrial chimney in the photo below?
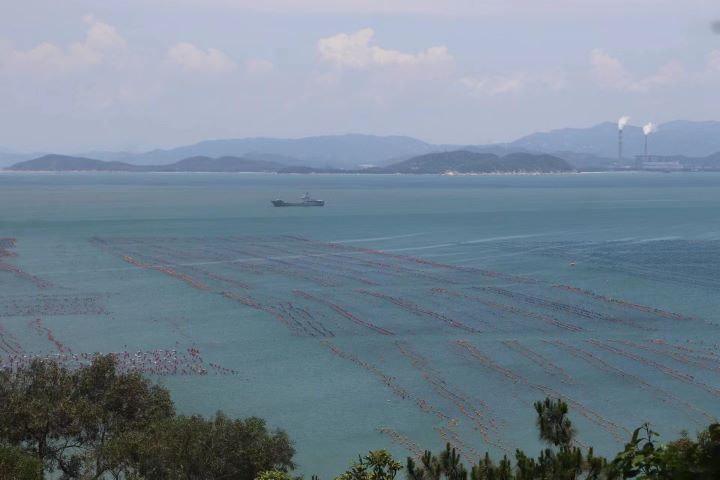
point(647, 130)
point(621, 125)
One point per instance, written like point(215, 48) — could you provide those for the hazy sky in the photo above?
point(78, 75)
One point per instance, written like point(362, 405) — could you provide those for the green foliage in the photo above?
point(552, 421)
point(487, 470)
point(115, 406)
point(66, 419)
point(451, 466)
point(95, 423)
point(190, 448)
point(683, 459)
point(642, 459)
point(16, 465)
point(429, 470)
point(376, 465)
point(639, 459)
point(38, 411)
point(561, 461)
point(273, 475)
point(447, 466)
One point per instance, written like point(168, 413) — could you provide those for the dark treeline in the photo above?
point(94, 423)
point(642, 458)
point(460, 161)
point(97, 423)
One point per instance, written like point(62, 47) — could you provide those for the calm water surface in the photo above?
point(408, 312)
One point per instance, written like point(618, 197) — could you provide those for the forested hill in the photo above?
point(442, 162)
point(222, 164)
point(333, 151)
point(65, 163)
point(463, 161)
point(60, 163)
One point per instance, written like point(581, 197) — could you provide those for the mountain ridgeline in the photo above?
point(588, 148)
point(461, 162)
point(692, 139)
point(63, 163)
point(327, 151)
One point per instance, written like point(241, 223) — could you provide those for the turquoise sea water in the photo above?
point(410, 311)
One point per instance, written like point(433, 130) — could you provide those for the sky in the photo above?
point(83, 75)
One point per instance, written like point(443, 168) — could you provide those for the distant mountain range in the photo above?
point(463, 161)
point(432, 163)
point(693, 139)
point(594, 146)
point(336, 151)
point(64, 163)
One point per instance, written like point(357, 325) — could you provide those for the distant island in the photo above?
point(454, 162)
point(64, 163)
point(466, 162)
point(693, 145)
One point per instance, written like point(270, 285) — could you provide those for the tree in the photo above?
point(66, 418)
point(708, 457)
point(16, 465)
point(447, 465)
point(429, 470)
point(273, 475)
point(114, 406)
point(376, 465)
point(553, 423)
point(565, 461)
point(451, 465)
point(638, 460)
point(40, 413)
point(683, 459)
point(94, 422)
point(562, 460)
point(193, 448)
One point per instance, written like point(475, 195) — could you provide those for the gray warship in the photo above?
point(305, 201)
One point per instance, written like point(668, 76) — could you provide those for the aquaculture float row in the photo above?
point(465, 348)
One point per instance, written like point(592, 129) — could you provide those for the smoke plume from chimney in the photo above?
point(648, 128)
point(621, 124)
point(623, 121)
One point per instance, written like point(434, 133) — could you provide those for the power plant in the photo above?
point(645, 161)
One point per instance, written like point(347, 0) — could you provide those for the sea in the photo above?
point(407, 313)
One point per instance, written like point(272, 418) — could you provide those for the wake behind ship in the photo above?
point(305, 201)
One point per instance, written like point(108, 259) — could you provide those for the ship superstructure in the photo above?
point(305, 201)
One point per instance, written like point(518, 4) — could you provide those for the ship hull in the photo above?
point(312, 203)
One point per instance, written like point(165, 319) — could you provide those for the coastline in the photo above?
point(454, 174)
